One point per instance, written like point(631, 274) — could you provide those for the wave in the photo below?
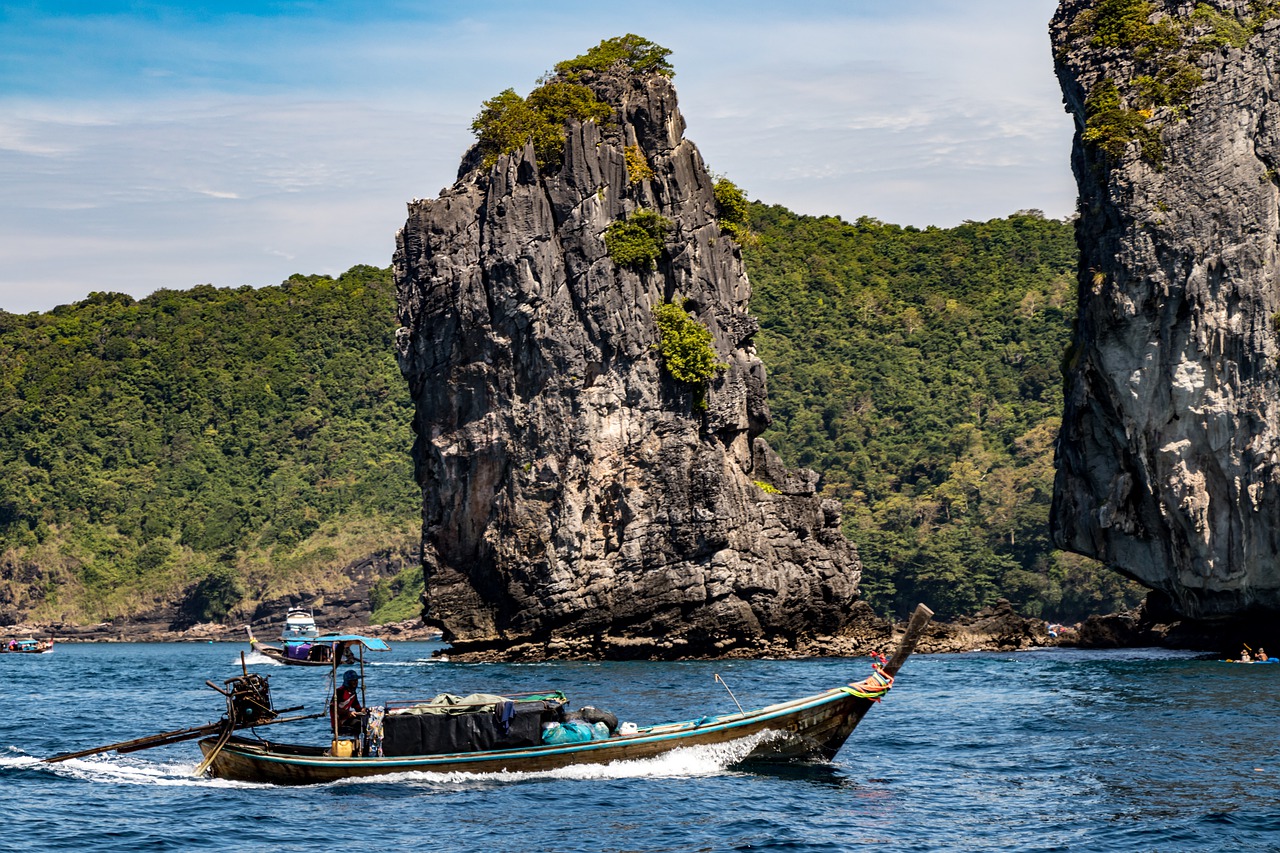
point(116, 769)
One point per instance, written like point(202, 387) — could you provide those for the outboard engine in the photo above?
point(249, 700)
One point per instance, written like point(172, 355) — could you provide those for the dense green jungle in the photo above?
point(220, 446)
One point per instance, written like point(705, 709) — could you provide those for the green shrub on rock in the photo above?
point(638, 53)
point(508, 121)
point(684, 345)
point(636, 241)
point(733, 211)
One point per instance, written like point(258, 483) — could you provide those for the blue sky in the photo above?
point(148, 144)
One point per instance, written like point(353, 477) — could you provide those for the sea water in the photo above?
point(1049, 750)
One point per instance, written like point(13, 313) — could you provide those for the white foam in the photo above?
point(415, 662)
point(118, 769)
point(682, 763)
point(257, 657)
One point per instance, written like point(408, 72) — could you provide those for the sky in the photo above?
point(148, 145)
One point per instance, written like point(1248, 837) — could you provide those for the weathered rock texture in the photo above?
point(576, 503)
point(1167, 463)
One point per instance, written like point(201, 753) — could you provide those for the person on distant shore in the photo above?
point(346, 710)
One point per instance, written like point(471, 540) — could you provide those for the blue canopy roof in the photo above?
point(373, 644)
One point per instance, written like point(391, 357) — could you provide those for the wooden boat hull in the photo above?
point(811, 728)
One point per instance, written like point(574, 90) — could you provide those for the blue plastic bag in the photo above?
point(574, 731)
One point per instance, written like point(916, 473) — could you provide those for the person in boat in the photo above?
point(1245, 657)
point(346, 710)
point(1262, 654)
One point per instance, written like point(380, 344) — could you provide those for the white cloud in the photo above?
point(296, 152)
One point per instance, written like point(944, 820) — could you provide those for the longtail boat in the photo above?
point(316, 651)
point(492, 733)
point(814, 727)
point(26, 646)
point(301, 643)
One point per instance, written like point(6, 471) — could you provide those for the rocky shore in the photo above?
point(995, 628)
point(158, 632)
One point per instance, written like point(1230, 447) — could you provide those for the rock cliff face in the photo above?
point(577, 502)
point(1168, 465)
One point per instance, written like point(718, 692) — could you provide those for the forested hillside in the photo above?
point(223, 442)
point(225, 445)
point(918, 372)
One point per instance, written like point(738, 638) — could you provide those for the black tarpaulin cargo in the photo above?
point(436, 730)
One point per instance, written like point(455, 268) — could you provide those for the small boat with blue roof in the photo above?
point(27, 646)
point(301, 643)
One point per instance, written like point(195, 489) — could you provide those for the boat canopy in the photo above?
point(373, 644)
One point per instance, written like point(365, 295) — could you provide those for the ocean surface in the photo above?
point(1049, 750)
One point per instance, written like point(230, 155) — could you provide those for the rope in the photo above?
point(876, 685)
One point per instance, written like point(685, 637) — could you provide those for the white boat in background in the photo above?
point(299, 624)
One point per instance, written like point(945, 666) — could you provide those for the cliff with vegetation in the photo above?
point(1169, 459)
point(588, 398)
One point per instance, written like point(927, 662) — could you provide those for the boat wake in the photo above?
point(115, 769)
point(414, 662)
point(686, 762)
point(257, 657)
point(682, 763)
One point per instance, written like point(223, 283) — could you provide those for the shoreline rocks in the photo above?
point(995, 628)
point(213, 632)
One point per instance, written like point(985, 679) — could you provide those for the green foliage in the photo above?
point(767, 488)
point(1224, 30)
point(215, 595)
point(557, 102)
point(1165, 52)
point(917, 372)
point(508, 121)
point(638, 168)
point(145, 441)
point(1122, 23)
point(639, 54)
point(396, 599)
point(733, 211)
point(685, 347)
point(1111, 127)
point(636, 241)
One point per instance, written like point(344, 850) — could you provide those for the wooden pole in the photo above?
point(161, 739)
point(915, 630)
point(165, 738)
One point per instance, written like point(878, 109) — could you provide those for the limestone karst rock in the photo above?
point(1168, 465)
point(577, 500)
